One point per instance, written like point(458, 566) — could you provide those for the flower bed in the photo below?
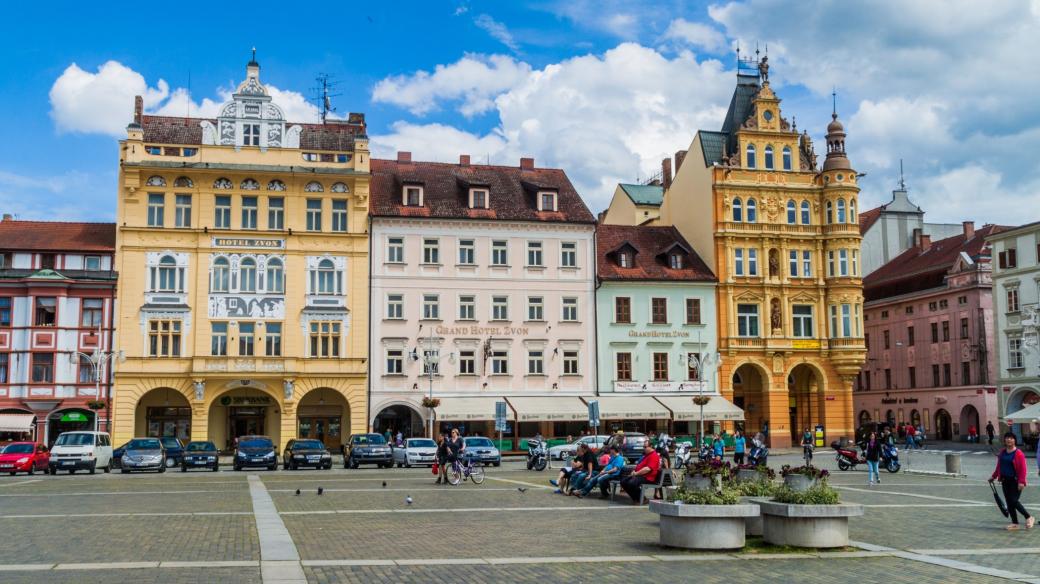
point(704, 520)
point(813, 518)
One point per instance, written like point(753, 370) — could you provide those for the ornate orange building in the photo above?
point(783, 237)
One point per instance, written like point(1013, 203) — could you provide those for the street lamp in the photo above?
point(431, 358)
point(704, 363)
point(98, 359)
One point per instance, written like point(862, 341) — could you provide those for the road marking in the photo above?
point(919, 496)
point(69, 515)
point(109, 493)
point(979, 552)
point(921, 505)
point(928, 558)
point(280, 561)
point(393, 490)
point(108, 566)
point(20, 483)
point(465, 510)
point(526, 484)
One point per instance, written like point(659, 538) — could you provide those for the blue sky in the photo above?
point(602, 89)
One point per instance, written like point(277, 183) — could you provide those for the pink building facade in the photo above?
point(930, 356)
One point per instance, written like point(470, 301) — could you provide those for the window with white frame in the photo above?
point(843, 262)
point(156, 209)
point(499, 363)
point(246, 339)
point(499, 253)
point(467, 307)
point(499, 308)
point(220, 281)
point(249, 210)
point(1015, 357)
point(792, 264)
point(737, 210)
point(222, 212)
point(394, 362)
point(738, 261)
point(412, 196)
point(624, 259)
point(339, 215)
point(478, 199)
point(855, 263)
point(792, 212)
point(275, 213)
point(273, 339)
point(1012, 300)
point(275, 279)
point(182, 211)
point(313, 214)
point(218, 339)
point(431, 251)
point(534, 254)
point(535, 362)
point(752, 261)
point(752, 211)
point(569, 254)
point(830, 263)
point(804, 209)
point(841, 320)
point(806, 264)
point(747, 320)
point(431, 309)
point(675, 261)
point(167, 276)
point(467, 362)
point(395, 250)
point(91, 263)
point(326, 280)
point(395, 306)
point(546, 201)
point(802, 321)
point(247, 275)
point(467, 252)
point(570, 310)
point(535, 308)
point(570, 362)
point(250, 134)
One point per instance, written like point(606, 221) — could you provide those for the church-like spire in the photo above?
point(835, 140)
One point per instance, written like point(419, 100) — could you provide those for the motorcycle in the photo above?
point(890, 458)
point(705, 453)
point(683, 456)
point(758, 456)
point(537, 455)
point(847, 456)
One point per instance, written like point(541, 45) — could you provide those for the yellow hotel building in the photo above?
point(242, 249)
point(783, 237)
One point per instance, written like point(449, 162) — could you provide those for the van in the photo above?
point(88, 451)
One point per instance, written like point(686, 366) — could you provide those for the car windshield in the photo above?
point(143, 444)
point(481, 442)
point(369, 439)
point(422, 443)
point(201, 447)
point(308, 445)
point(171, 442)
point(17, 449)
point(256, 443)
point(635, 440)
point(75, 439)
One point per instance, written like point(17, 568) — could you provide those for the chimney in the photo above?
point(8, 217)
point(666, 173)
point(926, 242)
point(679, 157)
point(404, 157)
point(527, 164)
point(969, 229)
point(463, 159)
point(138, 108)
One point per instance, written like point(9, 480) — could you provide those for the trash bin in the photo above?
point(953, 463)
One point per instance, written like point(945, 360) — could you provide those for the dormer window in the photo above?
point(675, 261)
point(250, 134)
point(546, 201)
point(413, 196)
point(624, 260)
point(478, 199)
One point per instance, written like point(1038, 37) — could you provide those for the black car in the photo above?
point(200, 455)
point(253, 451)
point(306, 453)
point(174, 451)
point(367, 449)
point(141, 454)
point(632, 450)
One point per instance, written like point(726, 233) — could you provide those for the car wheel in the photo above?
point(124, 471)
point(237, 468)
point(170, 462)
point(52, 471)
point(184, 468)
point(93, 467)
point(273, 467)
point(162, 469)
point(216, 467)
point(108, 467)
point(72, 471)
point(291, 466)
point(32, 469)
point(498, 463)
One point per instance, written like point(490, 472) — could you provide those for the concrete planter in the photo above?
point(703, 527)
point(753, 523)
point(698, 482)
point(807, 526)
point(799, 483)
point(749, 474)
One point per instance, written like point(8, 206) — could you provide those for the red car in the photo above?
point(24, 457)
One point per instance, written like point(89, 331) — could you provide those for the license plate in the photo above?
point(68, 462)
point(198, 462)
point(258, 460)
point(6, 466)
point(313, 458)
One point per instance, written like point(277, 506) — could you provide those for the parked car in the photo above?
point(174, 451)
point(143, 454)
point(565, 451)
point(200, 454)
point(81, 450)
point(253, 451)
point(416, 451)
point(480, 449)
point(367, 449)
point(27, 457)
point(633, 448)
point(306, 453)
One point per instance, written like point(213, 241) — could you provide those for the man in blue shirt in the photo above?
point(610, 471)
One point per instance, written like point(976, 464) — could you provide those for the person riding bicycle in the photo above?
point(807, 445)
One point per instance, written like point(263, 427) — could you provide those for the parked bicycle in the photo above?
point(460, 471)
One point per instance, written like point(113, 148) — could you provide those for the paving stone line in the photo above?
point(280, 562)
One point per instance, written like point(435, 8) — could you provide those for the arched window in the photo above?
point(250, 185)
point(221, 275)
point(738, 210)
point(805, 213)
point(830, 213)
point(852, 211)
point(275, 276)
point(314, 187)
point(787, 158)
point(155, 181)
point(340, 188)
point(751, 211)
point(167, 275)
point(183, 181)
point(247, 275)
point(792, 212)
point(751, 156)
point(841, 210)
point(222, 184)
point(326, 277)
point(769, 157)
point(276, 185)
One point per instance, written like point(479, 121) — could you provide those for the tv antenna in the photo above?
point(324, 95)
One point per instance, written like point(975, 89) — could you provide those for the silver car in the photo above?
point(565, 451)
point(416, 452)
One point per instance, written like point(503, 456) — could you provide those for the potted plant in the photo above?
point(701, 400)
point(707, 474)
point(431, 402)
point(802, 478)
point(710, 519)
point(96, 404)
point(754, 472)
point(813, 518)
point(754, 482)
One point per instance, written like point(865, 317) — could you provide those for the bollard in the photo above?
point(953, 464)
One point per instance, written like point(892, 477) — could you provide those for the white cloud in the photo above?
point(60, 197)
point(696, 34)
point(473, 79)
point(438, 143)
point(497, 30)
point(101, 102)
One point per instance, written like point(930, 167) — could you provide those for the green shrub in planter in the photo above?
point(755, 488)
point(820, 494)
point(723, 496)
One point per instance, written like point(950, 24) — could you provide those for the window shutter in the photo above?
point(1002, 260)
point(1012, 260)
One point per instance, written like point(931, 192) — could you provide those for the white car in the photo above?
point(565, 451)
point(416, 451)
point(87, 451)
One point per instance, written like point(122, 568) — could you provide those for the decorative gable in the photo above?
point(250, 119)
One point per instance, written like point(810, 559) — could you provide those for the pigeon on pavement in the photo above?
point(297, 492)
point(384, 484)
point(522, 489)
point(408, 499)
point(321, 490)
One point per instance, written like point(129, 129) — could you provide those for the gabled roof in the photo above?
point(57, 236)
point(649, 242)
point(331, 136)
point(512, 192)
point(644, 194)
point(916, 269)
point(868, 218)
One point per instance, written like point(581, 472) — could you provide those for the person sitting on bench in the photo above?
point(645, 472)
point(611, 470)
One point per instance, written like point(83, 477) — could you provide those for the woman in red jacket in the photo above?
point(1011, 469)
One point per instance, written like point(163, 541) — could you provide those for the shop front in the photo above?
point(243, 412)
point(631, 413)
point(686, 415)
point(472, 416)
point(73, 420)
point(554, 417)
point(1023, 414)
point(320, 415)
point(17, 425)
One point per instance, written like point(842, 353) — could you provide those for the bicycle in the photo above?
point(459, 472)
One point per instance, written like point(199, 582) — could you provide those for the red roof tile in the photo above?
point(868, 218)
point(650, 243)
point(56, 236)
point(446, 192)
point(331, 136)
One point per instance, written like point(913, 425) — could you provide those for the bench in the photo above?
point(664, 479)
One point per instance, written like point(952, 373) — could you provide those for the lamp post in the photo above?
point(431, 358)
point(704, 362)
point(98, 359)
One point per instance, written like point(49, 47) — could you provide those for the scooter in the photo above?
point(705, 453)
point(758, 456)
point(683, 456)
point(890, 457)
point(537, 456)
point(847, 456)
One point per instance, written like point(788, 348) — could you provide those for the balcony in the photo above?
point(852, 343)
point(842, 229)
point(747, 343)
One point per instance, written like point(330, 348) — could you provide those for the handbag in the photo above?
point(435, 468)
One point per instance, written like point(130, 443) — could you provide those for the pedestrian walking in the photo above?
point(989, 433)
point(1011, 470)
point(910, 442)
point(973, 434)
point(872, 452)
point(442, 460)
point(718, 447)
point(739, 446)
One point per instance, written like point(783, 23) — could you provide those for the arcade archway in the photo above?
point(244, 411)
point(750, 389)
point(163, 412)
point(805, 394)
point(322, 414)
point(943, 428)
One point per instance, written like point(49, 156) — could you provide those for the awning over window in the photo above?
point(467, 408)
point(631, 407)
point(1024, 416)
point(16, 422)
point(683, 408)
point(549, 409)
